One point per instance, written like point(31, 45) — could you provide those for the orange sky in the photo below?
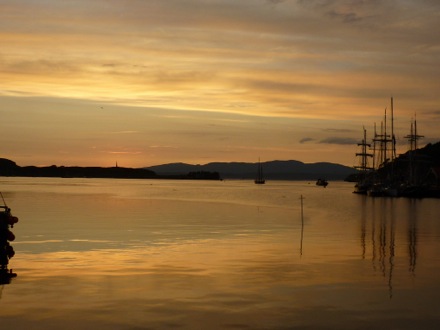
point(142, 82)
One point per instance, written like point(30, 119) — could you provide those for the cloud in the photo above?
point(276, 2)
point(339, 140)
point(125, 132)
point(309, 64)
point(124, 152)
point(339, 130)
point(306, 139)
point(349, 17)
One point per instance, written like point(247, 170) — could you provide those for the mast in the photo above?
point(363, 166)
point(385, 138)
point(413, 137)
point(374, 147)
point(416, 136)
point(381, 138)
point(260, 179)
point(393, 137)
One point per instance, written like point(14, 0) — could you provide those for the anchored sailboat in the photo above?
point(260, 179)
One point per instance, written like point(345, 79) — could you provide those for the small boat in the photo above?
point(361, 188)
point(322, 182)
point(376, 190)
point(260, 179)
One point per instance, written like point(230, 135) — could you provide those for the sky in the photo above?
point(145, 82)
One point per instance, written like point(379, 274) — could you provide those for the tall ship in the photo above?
point(382, 173)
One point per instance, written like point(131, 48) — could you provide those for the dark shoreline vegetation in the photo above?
point(11, 169)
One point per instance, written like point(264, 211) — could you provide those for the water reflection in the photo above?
point(302, 226)
point(137, 263)
point(378, 221)
point(412, 235)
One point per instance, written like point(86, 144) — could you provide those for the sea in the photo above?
point(176, 254)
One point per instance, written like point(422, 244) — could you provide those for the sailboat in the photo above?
point(322, 182)
point(260, 179)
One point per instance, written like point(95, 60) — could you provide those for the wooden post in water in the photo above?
point(302, 226)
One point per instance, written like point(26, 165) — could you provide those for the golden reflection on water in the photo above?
point(228, 277)
point(117, 262)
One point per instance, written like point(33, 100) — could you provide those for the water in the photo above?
point(157, 254)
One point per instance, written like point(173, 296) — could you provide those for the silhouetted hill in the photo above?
point(421, 165)
point(273, 170)
point(432, 151)
point(10, 168)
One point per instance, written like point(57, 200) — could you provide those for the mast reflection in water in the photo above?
point(220, 255)
point(379, 218)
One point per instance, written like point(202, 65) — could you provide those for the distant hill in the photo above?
point(273, 170)
point(10, 168)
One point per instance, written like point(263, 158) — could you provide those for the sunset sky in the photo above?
point(146, 82)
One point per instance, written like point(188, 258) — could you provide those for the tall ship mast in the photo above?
point(413, 139)
point(413, 174)
point(260, 179)
point(384, 152)
point(363, 167)
point(386, 141)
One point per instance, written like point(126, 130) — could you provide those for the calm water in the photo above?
point(153, 254)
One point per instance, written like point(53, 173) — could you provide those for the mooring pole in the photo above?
point(302, 226)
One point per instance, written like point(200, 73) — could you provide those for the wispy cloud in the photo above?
point(314, 61)
point(339, 130)
point(124, 152)
point(306, 139)
point(125, 132)
point(339, 140)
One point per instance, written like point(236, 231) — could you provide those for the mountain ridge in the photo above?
point(272, 170)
